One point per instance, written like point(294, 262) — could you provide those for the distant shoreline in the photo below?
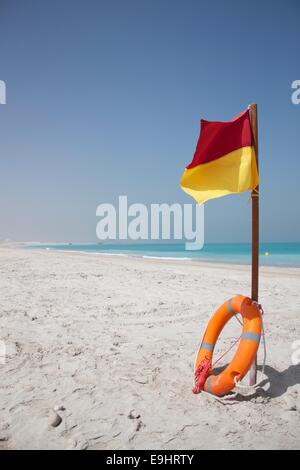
point(239, 254)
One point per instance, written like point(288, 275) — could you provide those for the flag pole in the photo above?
point(255, 231)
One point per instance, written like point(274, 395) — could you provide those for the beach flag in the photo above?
point(224, 161)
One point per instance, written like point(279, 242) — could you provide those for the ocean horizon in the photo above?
point(270, 254)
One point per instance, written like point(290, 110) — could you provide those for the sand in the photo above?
point(109, 342)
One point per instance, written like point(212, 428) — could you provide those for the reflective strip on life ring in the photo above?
point(252, 325)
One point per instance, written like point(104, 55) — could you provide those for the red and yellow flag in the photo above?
point(224, 161)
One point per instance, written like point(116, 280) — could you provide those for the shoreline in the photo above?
point(204, 262)
point(268, 271)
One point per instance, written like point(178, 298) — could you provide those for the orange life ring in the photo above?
point(252, 326)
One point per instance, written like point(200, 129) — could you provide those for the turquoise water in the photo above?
point(280, 254)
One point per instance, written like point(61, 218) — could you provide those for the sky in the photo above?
point(104, 98)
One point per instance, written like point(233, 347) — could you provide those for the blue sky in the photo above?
point(105, 99)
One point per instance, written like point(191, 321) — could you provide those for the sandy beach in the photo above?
point(109, 342)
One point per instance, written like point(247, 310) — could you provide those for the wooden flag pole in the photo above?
point(255, 231)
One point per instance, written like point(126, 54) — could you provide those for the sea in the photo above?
point(270, 254)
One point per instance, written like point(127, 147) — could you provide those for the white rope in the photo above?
point(219, 399)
